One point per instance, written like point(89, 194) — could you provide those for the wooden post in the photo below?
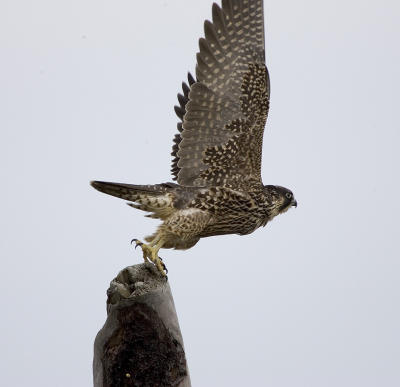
point(140, 343)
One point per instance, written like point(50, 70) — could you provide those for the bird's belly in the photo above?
point(229, 225)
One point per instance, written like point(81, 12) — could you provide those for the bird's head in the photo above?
point(281, 199)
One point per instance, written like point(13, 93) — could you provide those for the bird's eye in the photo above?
point(289, 195)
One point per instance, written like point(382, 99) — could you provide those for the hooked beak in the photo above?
point(294, 203)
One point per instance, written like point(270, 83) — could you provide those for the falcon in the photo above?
point(217, 150)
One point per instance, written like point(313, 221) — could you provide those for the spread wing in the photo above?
point(224, 110)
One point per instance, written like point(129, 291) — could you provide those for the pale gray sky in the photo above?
point(87, 90)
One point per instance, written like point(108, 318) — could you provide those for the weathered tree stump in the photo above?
point(140, 343)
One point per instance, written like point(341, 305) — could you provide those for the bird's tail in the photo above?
point(157, 198)
point(127, 191)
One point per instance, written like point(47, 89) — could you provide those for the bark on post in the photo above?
point(140, 343)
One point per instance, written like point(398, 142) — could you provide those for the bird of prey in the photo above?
point(217, 150)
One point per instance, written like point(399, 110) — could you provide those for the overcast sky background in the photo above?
point(87, 90)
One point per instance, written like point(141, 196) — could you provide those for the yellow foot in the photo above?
point(151, 253)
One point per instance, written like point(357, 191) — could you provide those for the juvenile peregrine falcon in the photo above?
point(217, 151)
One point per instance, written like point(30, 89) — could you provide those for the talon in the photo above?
point(163, 265)
point(150, 252)
point(137, 241)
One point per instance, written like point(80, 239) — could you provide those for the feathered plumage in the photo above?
point(217, 150)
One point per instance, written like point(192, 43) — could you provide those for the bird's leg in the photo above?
point(155, 247)
point(150, 252)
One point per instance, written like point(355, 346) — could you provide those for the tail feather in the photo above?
point(127, 191)
point(156, 199)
